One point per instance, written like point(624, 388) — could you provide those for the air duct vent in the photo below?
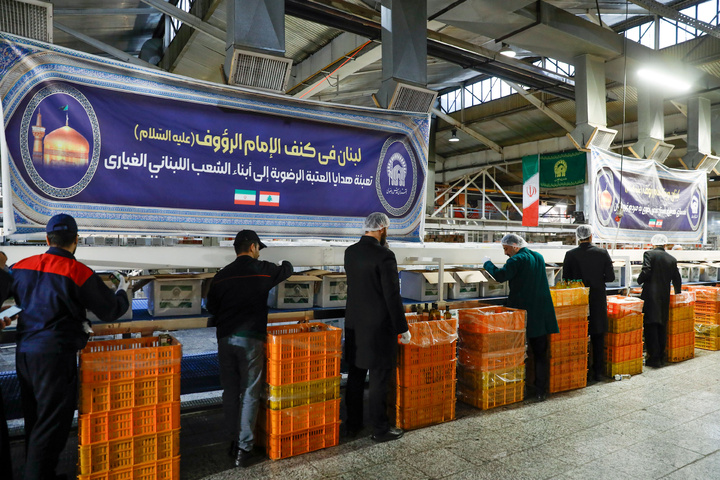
point(658, 150)
point(409, 98)
point(708, 163)
point(27, 18)
point(598, 137)
point(661, 152)
point(257, 70)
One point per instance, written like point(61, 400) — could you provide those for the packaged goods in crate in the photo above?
point(625, 324)
point(472, 359)
point(685, 297)
point(486, 379)
point(428, 333)
point(707, 337)
point(619, 306)
point(492, 342)
point(705, 293)
point(491, 319)
point(302, 393)
point(571, 314)
point(562, 297)
point(491, 397)
point(300, 418)
point(629, 367)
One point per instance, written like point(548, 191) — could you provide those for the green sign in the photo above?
point(562, 169)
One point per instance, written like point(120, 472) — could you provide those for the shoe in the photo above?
point(243, 458)
point(393, 433)
point(540, 396)
point(232, 449)
point(597, 377)
point(352, 432)
point(653, 363)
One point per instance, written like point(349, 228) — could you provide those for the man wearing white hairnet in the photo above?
point(374, 317)
point(594, 267)
point(659, 269)
point(529, 290)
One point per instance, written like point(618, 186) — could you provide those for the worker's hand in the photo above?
point(122, 282)
point(405, 338)
point(485, 259)
point(87, 328)
point(5, 322)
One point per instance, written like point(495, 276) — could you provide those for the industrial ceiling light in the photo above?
point(454, 137)
point(663, 79)
point(507, 51)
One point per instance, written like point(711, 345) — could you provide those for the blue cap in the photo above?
point(61, 223)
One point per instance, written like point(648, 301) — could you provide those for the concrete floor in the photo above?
point(664, 423)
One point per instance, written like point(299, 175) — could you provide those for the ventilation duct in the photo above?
point(257, 70)
point(708, 162)
point(27, 18)
point(652, 149)
point(588, 136)
point(412, 99)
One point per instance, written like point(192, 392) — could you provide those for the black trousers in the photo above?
point(655, 340)
point(539, 347)
point(597, 342)
point(354, 391)
point(48, 387)
point(6, 471)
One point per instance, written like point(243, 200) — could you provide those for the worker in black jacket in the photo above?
point(5, 454)
point(659, 269)
point(55, 291)
point(374, 317)
point(237, 299)
point(593, 266)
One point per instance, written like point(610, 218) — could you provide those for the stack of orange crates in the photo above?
point(129, 410)
point(491, 356)
point(624, 340)
point(425, 389)
point(568, 349)
point(302, 413)
point(681, 327)
point(707, 317)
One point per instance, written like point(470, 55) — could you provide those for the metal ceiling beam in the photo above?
point(556, 117)
point(188, 19)
point(115, 52)
point(105, 11)
point(477, 136)
point(669, 12)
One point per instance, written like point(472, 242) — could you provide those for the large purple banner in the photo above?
point(142, 151)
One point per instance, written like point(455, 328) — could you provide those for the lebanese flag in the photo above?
point(531, 190)
point(269, 199)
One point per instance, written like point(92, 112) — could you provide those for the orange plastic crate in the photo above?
point(707, 318)
point(427, 333)
point(683, 298)
point(491, 319)
point(302, 340)
point(302, 370)
point(685, 325)
point(116, 395)
point(569, 296)
point(614, 354)
point(415, 397)
point(472, 359)
point(411, 355)
point(410, 418)
point(492, 397)
point(707, 343)
point(567, 381)
point(118, 360)
point(681, 353)
point(302, 393)
point(570, 331)
point(681, 340)
point(703, 330)
point(619, 306)
point(120, 474)
point(625, 324)
point(303, 417)
point(417, 375)
point(119, 454)
point(706, 294)
point(707, 307)
point(563, 365)
point(478, 379)
point(566, 348)
point(572, 314)
point(119, 424)
point(296, 443)
point(631, 367)
point(622, 339)
point(161, 470)
point(492, 342)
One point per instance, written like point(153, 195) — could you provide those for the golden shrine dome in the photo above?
point(65, 147)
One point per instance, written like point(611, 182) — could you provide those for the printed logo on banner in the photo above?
point(606, 195)
point(60, 139)
point(561, 167)
point(397, 176)
point(694, 214)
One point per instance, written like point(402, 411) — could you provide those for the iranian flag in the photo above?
point(531, 190)
point(269, 199)
point(244, 197)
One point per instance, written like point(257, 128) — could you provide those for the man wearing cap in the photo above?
point(659, 269)
point(374, 317)
point(529, 290)
point(594, 267)
point(237, 300)
point(54, 291)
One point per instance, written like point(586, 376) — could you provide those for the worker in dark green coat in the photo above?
point(529, 290)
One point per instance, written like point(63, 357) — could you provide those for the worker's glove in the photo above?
point(122, 283)
point(87, 328)
point(485, 259)
point(405, 338)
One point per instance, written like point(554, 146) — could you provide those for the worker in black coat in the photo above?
point(6, 471)
point(659, 269)
point(374, 317)
point(594, 267)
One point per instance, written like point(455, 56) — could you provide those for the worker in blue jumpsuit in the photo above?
point(54, 291)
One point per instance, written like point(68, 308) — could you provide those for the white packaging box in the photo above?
point(619, 271)
point(126, 316)
point(709, 272)
point(170, 295)
point(467, 283)
point(635, 269)
point(491, 288)
point(331, 290)
point(684, 269)
point(694, 275)
point(422, 285)
point(298, 291)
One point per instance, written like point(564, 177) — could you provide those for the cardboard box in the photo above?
point(684, 269)
point(422, 285)
point(467, 283)
point(694, 275)
point(619, 271)
point(331, 290)
point(170, 295)
point(298, 291)
point(709, 272)
point(127, 315)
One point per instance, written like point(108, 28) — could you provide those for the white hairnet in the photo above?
point(659, 240)
point(513, 240)
point(583, 232)
point(376, 221)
